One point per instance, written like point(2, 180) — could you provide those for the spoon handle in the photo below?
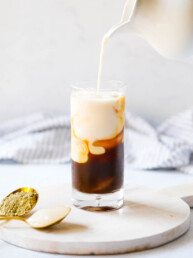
point(13, 217)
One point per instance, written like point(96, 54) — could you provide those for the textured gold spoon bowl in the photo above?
point(25, 189)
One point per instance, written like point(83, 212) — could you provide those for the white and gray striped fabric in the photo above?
point(170, 145)
point(39, 138)
point(45, 138)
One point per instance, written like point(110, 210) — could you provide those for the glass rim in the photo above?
point(81, 85)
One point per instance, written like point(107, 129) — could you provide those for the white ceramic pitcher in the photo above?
point(167, 25)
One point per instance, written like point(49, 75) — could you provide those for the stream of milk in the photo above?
point(127, 11)
point(101, 58)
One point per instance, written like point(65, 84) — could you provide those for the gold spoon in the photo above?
point(43, 218)
point(25, 189)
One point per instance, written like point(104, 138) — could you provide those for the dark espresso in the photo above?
point(103, 173)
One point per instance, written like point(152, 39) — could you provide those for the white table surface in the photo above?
point(15, 176)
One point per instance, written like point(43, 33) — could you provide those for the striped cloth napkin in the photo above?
point(170, 145)
point(38, 138)
point(45, 138)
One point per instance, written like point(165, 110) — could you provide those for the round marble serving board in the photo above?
point(147, 219)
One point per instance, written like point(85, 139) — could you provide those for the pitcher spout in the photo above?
point(166, 25)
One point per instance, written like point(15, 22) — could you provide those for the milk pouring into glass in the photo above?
point(167, 25)
point(97, 113)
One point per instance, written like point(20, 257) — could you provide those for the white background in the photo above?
point(47, 44)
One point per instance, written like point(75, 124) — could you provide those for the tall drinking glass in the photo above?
point(97, 145)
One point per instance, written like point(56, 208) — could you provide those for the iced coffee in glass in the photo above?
point(97, 145)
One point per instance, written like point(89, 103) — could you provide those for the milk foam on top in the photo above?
point(94, 117)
